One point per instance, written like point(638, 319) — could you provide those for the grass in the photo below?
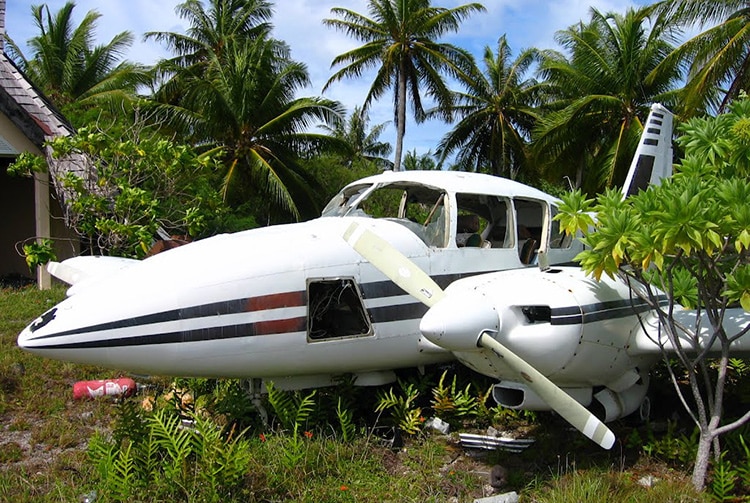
point(44, 436)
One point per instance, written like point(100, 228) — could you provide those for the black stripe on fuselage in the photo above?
point(195, 335)
point(383, 289)
point(227, 307)
point(374, 290)
point(590, 313)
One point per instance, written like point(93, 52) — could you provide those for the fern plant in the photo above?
point(451, 403)
point(724, 479)
point(221, 463)
point(346, 424)
point(167, 461)
point(405, 415)
point(291, 408)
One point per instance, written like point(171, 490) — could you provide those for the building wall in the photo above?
point(17, 221)
point(17, 213)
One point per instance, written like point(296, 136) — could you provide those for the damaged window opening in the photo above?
point(335, 310)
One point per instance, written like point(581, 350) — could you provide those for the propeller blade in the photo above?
point(402, 271)
point(391, 262)
point(572, 411)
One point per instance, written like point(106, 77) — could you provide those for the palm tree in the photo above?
point(400, 43)
point(361, 144)
point(416, 162)
point(600, 94)
point(68, 68)
point(244, 105)
point(496, 115)
point(211, 30)
point(718, 58)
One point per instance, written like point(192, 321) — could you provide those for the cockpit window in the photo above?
point(344, 200)
point(417, 207)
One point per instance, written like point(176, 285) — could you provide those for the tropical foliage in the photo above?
point(688, 238)
point(401, 44)
point(237, 97)
point(495, 115)
point(717, 57)
point(599, 94)
point(360, 143)
point(72, 71)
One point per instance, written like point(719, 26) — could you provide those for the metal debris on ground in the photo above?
point(491, 443)
point(511, 497)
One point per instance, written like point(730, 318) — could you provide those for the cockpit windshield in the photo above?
point(420, 208)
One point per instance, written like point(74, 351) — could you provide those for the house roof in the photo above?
point(27, 107)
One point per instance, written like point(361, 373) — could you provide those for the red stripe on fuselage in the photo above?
point(276, 301)
point(280, 326)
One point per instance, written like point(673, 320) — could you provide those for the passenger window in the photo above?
point(501, 233)
point(473, 221)
point(529, 228)
point(557, 238)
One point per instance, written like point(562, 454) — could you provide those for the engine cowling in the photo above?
point(573, 329)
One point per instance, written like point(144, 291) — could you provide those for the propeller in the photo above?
point(417, 283)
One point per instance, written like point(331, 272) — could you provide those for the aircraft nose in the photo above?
point(458, 320)
point(35, 330)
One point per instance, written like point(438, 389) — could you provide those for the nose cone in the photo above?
point(32, 334)
point(458, 320)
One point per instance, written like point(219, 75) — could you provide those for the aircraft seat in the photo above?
point(467, 231)
point(528, 251)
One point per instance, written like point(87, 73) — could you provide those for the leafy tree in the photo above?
point(717, 58)
point(212, 30)
point(243, 106)
point(688, 238)
point(414, 161)
point(127, 188)
point(600, 94)
point(69, 69)
point(360, 143)
point(496, 115)
point(400, 42)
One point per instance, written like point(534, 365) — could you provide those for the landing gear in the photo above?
point(644, 411)
point(254, 387)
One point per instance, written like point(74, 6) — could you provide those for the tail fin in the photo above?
point(653, 158)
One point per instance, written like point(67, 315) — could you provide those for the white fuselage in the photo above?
point(249, 304)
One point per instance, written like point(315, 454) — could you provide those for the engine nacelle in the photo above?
point(624, 403)
point(517, 396)
point(609, 405)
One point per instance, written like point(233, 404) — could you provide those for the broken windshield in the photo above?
point(419, 208)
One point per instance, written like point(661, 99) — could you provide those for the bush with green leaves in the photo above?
point(38, 253)
point(689, 238)
point(128, 185)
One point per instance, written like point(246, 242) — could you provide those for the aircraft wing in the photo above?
point(649, 339)
point(79, 270)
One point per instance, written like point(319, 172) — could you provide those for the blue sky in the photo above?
point(526, 23)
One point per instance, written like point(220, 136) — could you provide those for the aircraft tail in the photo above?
point(653, 158)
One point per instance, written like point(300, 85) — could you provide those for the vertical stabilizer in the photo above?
point(653, 158)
